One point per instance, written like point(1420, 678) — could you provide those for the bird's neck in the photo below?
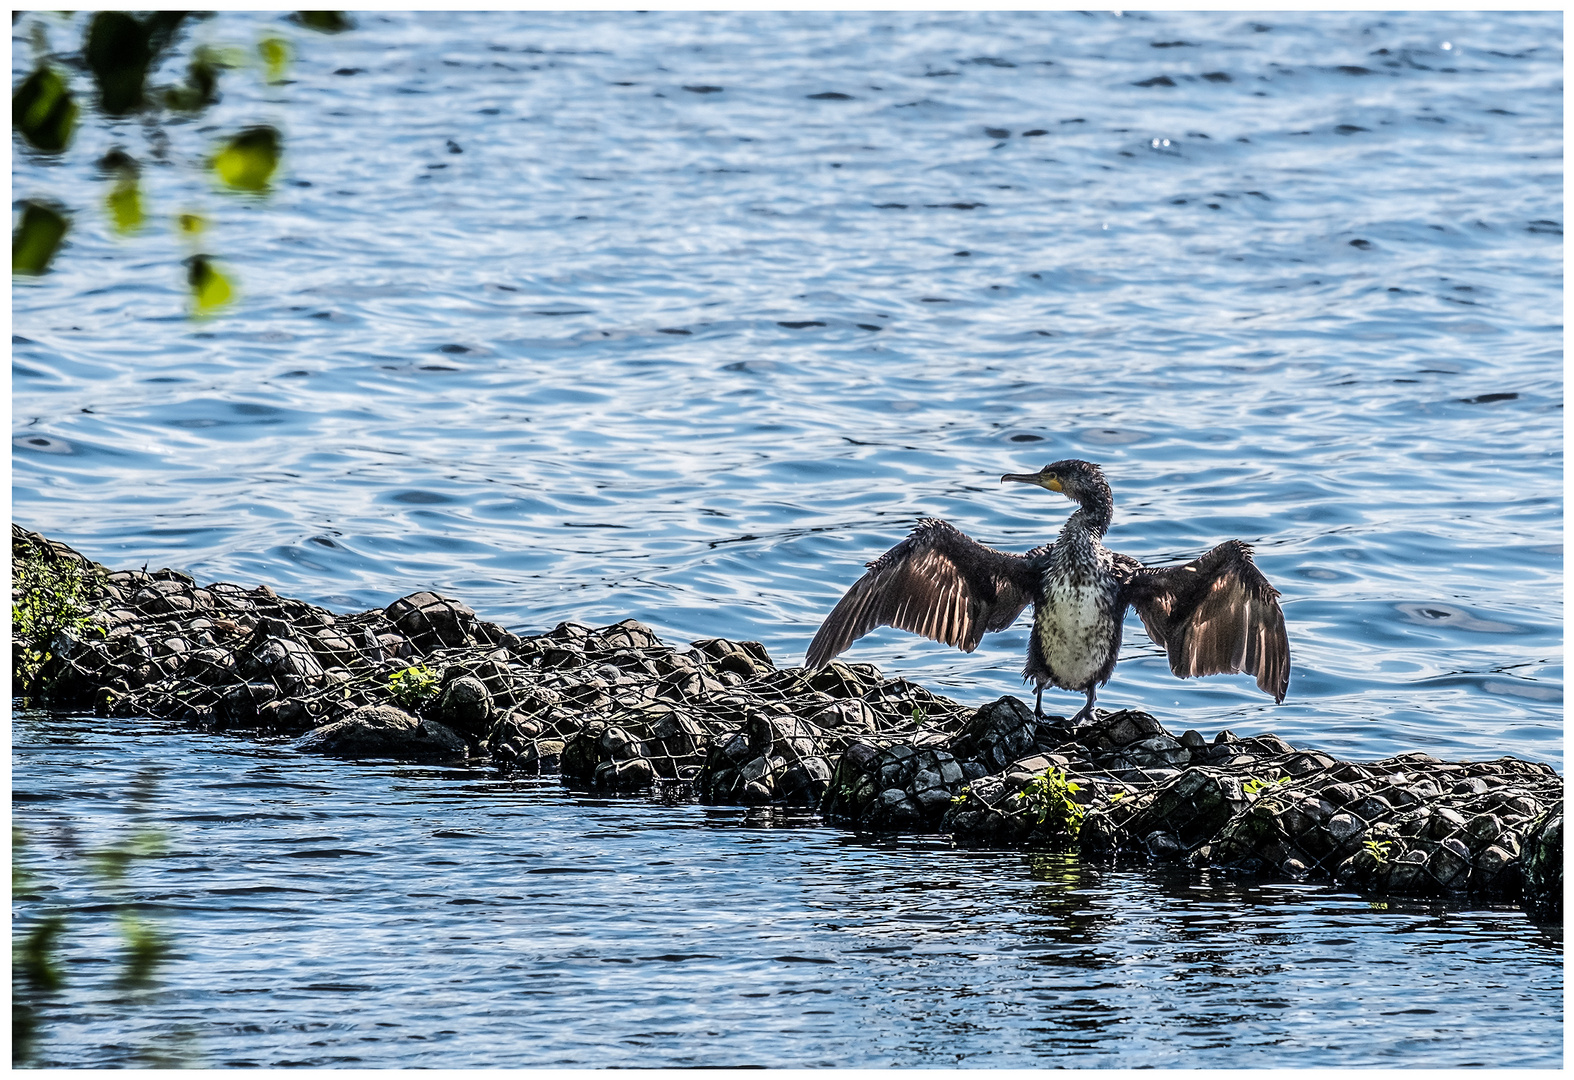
point(1092, 518)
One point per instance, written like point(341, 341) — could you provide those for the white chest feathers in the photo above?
point(1074, 629)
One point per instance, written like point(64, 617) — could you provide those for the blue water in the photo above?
point(694, 355)
point(338, 914)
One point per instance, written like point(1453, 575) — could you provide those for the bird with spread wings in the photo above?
point(1214, 615)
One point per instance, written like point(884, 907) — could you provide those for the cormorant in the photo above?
point(1216, 614)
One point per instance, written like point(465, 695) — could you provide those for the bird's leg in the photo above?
point(1038, 703)
point(1085, 713)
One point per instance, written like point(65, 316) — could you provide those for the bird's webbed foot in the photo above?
point(1084, 715)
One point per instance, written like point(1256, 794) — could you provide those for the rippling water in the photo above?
point(684, 316)
point(376, 916)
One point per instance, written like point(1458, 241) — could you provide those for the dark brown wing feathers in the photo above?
point(938, 582)
point(1215, 615)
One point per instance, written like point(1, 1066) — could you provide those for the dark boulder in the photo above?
point(997, 734)
point(431, 622)
point(383, 731)
point(1542, 891)
point(465, 705)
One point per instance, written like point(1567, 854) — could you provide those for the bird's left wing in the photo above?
point(1215, 615)
point(939, 582)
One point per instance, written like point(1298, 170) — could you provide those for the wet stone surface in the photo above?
point(615, 709)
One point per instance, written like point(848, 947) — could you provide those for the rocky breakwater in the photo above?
point(616, 709)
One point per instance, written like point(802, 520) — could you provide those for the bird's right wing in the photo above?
point(940, 583)
point(1215, 615)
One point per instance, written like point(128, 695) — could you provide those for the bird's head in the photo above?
point(1079, 481)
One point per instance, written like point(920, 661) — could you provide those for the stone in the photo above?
point(1343, 827)
point(465, 705)
point(629, 634)
point(285, 662)
point(212, 667)
point(431, 622)
point(1120, 729)
point(1449, 867)
point(582, 752)
point(1493, 860)
point(383, 731)
point(1304, 763)
point(630, 774)
point(1193, 806)
point(1163, 847)
point(1371, 808)
point(1543, 869)
point(805, 783)
point(997, 734)
point(164, 598)
point(238, 706)
point(1266, 745)
point(850, 717)
point(1445, 822)
point(1157, 752)
point(542, 755)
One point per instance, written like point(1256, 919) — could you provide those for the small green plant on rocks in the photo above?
point(1257, 785)
point(413, 685)
point(49, 596)
point(1380, 849)
point(1049, 796)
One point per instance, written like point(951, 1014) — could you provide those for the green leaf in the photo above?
point(38, 965)
point(37, 238)
point(247, 161)
point(191, 225)
point(146, 948)
point(125, 206)
point(210, 289)
point(43, 111)
point(275, 53)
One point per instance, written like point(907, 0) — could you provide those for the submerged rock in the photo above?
point(383, 731)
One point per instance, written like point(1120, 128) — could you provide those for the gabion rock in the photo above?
point(900, 788)
point(997, 734)
point(465, 705)
point(382, 731)
point(771, 757)
point(1193, 807)
point(615, 709)
point(1543, 888)
point(431, 622)
point(1034, 803)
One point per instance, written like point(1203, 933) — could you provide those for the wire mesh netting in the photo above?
point(615, 708)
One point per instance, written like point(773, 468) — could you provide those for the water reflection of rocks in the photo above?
point(615, 709)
